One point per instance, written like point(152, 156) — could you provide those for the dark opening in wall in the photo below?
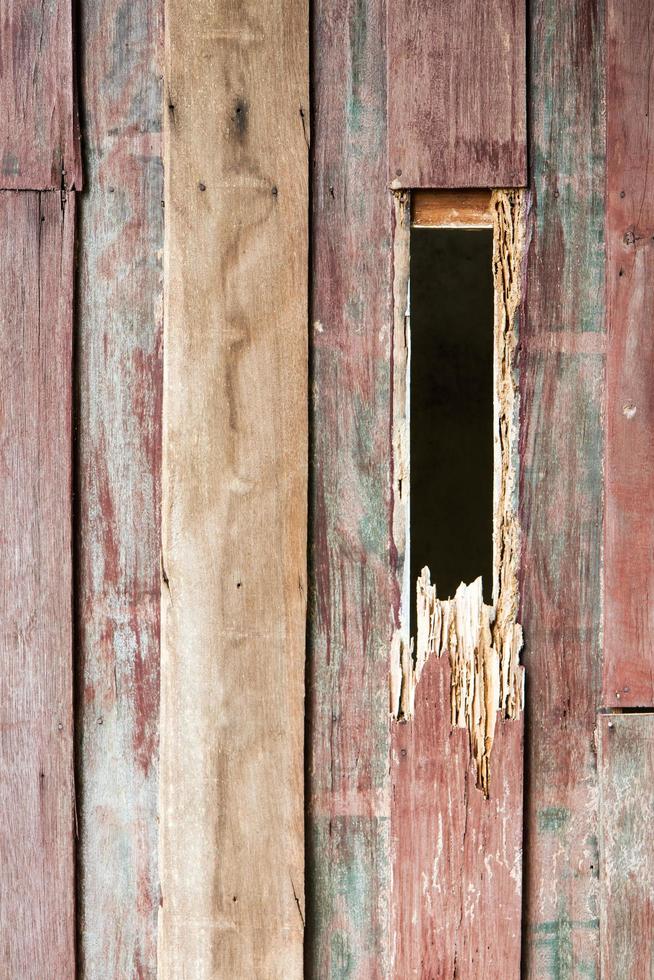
point(451, 410)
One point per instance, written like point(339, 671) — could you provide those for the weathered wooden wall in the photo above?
point(562, 376)
point(234, 490)
point(118, 407)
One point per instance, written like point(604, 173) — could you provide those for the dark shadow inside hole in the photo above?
point(451, 407)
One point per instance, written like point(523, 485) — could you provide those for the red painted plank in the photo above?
point(561, 386)
point(348, 872)
point(119, 455)
point(626, 767)
point(457, 858)
point(456, 93)
point(39, 139)
point(37, 899)
point(629, 540)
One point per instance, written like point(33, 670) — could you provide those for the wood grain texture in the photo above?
point(451, 209)
point(629, 530)
point(234, 490)
point(456, 93)
point(37, 896)
point(457, 858)
point(626, 769)
point(39, 140)
point(119, 368)
point(351, 595)
point(562, 374)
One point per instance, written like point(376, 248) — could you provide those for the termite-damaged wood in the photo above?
point(37, 883)
point(628, 664)
point(626, 774)
point(39, 139)
point(234, 506)
point(348, 873)
point(119, 311)
point(452, 209)
point(456, 94)
point(561, 365)
point(483, 642)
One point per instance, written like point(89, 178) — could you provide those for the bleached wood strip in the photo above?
point(234, 490)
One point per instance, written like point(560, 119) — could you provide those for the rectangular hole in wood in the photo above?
point(451, 406)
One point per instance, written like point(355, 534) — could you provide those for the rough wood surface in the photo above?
point(629, 541)
point(39, 140)
point(562, 374)
point(37, 897)
point(119, 368)
point(626, 769)
point(234, 490)
point(452, 209)
point(457, 857)
point(350, 625)
point(456, 93)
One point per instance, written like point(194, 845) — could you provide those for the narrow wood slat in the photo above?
point(37, 891)
point(626, 767)
point(39, 138)
point(628, 566)
point(456, 93)
point(561, 488)
point(234, 490)
point(348, 874)
point(119, 461)
point(457, 858)
point(451, 209)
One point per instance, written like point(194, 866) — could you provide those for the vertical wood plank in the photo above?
point(562, 373)
point(351, 594)
point(119, 461)
point(456, 94)
point(626, 767)
point(457, 857)
point(234, 490)
point(37, 899)
point(39, 140)
point(628, 566)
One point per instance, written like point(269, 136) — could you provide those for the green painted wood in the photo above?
point(351, 597)
point(626, 767)
point(119, 366)
point(562, 373)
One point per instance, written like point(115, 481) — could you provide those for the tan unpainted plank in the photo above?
point(39, 138)
point(37, 896)
point(456, 93)
point(120, 376)
point(626, 771)
point(234, 490)
point(451, 209)
point(628, 666)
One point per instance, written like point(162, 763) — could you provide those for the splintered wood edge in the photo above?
point(452, 209)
